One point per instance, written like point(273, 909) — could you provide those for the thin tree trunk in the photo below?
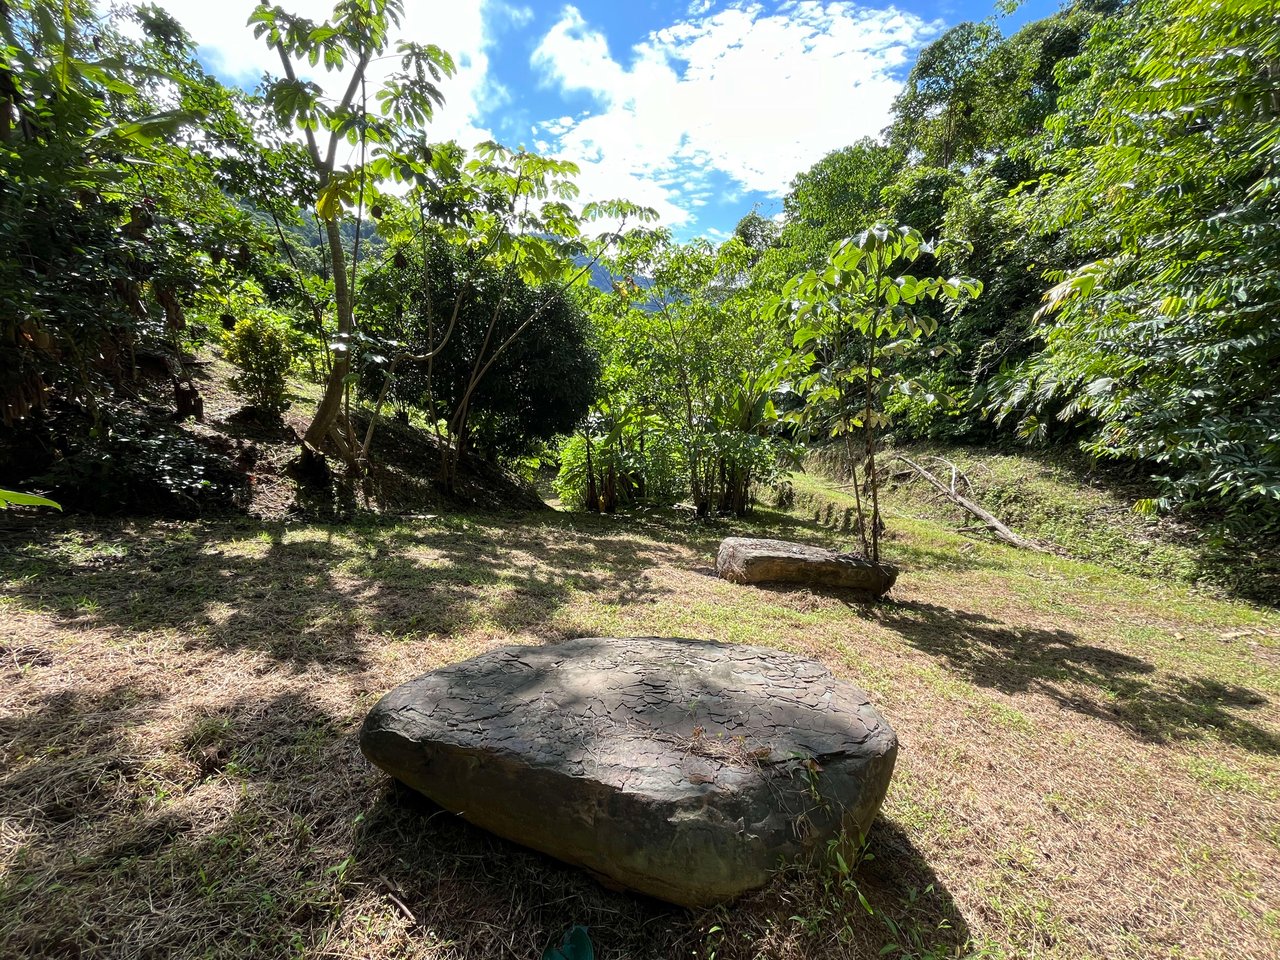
point(609, 496)
point(696, 489)
point(593, 499)
point(869, 426)
point(853, 467)
point(870, 459)
point(322, 424)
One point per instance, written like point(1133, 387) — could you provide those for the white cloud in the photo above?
point(226, 43)
point(756, 96)
point(509, 15)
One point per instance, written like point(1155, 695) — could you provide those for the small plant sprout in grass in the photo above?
point(839, 890)
point(87, 605)
point(913, 941)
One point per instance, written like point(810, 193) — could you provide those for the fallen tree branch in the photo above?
point(989, 521)
point(957, 475)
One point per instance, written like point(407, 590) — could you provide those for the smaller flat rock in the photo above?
point(744, 560)
point(686, 770)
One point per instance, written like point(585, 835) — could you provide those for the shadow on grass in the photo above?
point(489, 897)
point(1101, 683)
point(1096, 681)
point(78, 739)
point(253, 827)
point(115, 853)
point(319, 594)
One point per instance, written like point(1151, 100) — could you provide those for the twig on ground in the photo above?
point(400, 904)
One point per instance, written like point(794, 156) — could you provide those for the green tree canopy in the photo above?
point(1163, 333)
point(837, 196)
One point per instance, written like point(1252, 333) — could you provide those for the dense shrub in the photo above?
point(259, 346)
point(537, 388)
point(653, 472)
point(929, 411)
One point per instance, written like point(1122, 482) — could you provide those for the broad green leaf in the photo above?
point(12, 497)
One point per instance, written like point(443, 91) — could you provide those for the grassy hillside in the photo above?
point(1080, 508)
point(1090, 761)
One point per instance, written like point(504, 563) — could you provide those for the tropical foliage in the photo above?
point(1106, 177)
point(855, 318)
point(1166, 335)
point(694, 365)
point(1109, 175)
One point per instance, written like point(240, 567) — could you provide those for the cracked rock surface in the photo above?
point(744, 560)
point(681, 769)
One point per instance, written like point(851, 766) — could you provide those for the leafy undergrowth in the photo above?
point(236, 460)
point(1082, 508)
point(1090, 763)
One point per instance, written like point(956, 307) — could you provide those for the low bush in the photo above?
point(259, 345)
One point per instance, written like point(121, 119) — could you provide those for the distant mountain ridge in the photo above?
point(602, 279)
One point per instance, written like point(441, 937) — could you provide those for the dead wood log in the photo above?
point(989, 521)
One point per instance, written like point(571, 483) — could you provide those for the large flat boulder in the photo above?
point(681, 769)
point(744, 560)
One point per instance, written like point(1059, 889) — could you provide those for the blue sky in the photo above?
point(703, 109)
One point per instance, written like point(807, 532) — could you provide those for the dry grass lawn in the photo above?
point(1090, 762)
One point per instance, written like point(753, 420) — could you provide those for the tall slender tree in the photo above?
point(358, 33)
